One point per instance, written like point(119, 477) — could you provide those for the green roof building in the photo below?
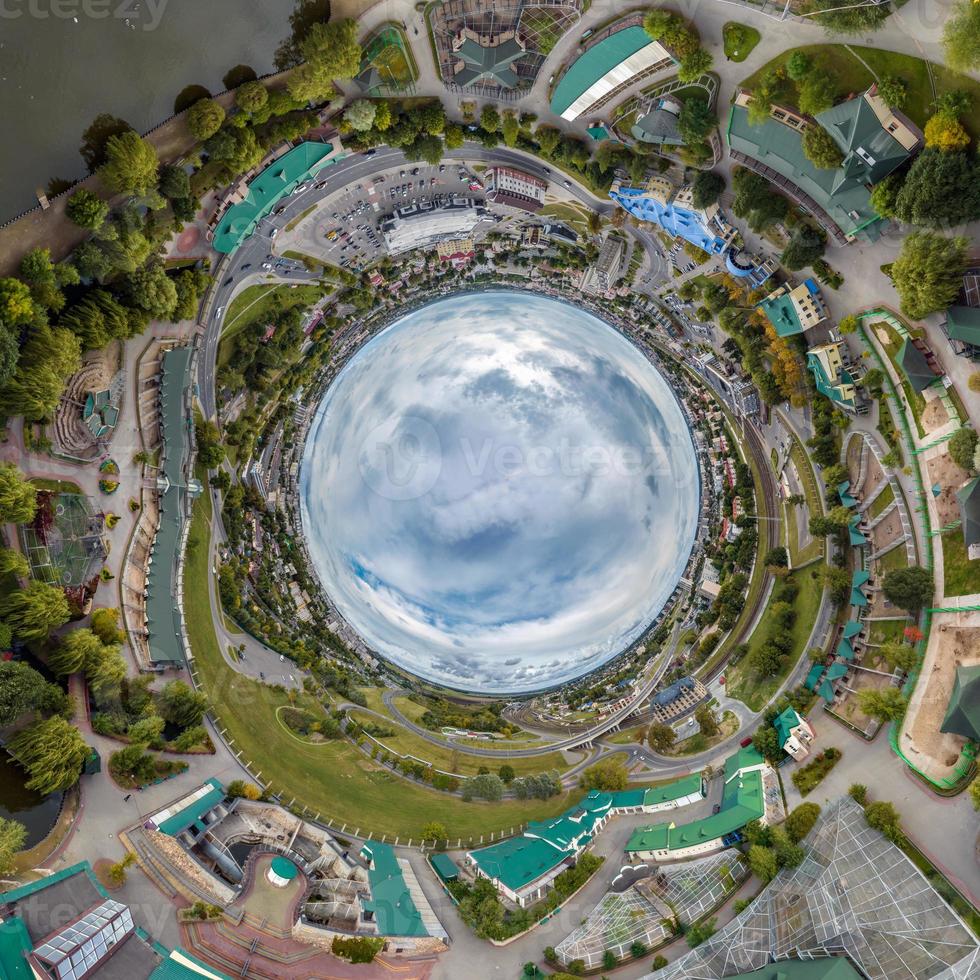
point(963, 329)
point(834, 673)
point(873, 141)
point(278, 180)
point(488, 65)
point(963, 712)
point(914, 365)
point(968, 499)
point(793, 309)
point(813, 677)
point(67, 926)
point(444, 867)
point(855, 536)
point(844, 492)
point(832, 379)
point(189, 811)
point(391, 905)
point(859, 579)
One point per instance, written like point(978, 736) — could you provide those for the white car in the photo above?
point(219, 311)
point(299, 188)
point(266, 265)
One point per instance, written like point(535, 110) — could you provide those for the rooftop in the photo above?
point(963, 711)
point(914, 365)
point(491, 64)
point(391, 901)
point(968, 499)
point(963, 324)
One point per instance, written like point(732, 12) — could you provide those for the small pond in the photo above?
point(37, 813)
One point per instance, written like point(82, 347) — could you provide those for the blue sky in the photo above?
point(499, 492)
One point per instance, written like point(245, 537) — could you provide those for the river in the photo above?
point(62, 62)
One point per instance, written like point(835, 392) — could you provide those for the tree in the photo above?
point(608, 776)
point(22, 689)
point(13, 836)
point(893, 90)
point(706, 188)
point(485, 786)
point(490, 118)
point(700, 931)
point(886, 704)
point(804, 248)
point(776, 557)
point(764, 95)
point(96, 138)
point(34, 611)
point(14, 563)
point(427, 148)
point(87, 210)
point(694, 65)
point(849, 20)
point(359, 115)
point(239, 788)
point(961, 36)
point(946, 133)
point(18, 497)
point(661, 737)
point(104, 673)
point(909, 588)
point(182, 706)
point(174, 182)
point(941, 189)
point(706, 720)
point(251, 96)
point(131, 164)
point(52, 751)
point(789, 854)
point(900, 656)
point(766, 742)
point(763, 863)
point(506, 774)
point(800, 822)
point(816, 92)
point(133, 763)
point(16, 305)
point(433, 832)
point(548, 138)
point(210, 452)
point(962, 447)
point(510, 129)
point(883, 816)
point(609, 960)
point(149, 288)
point(432, 117)
point(798, 66)
point(884, 195)
point(147, 731)
point(820, 149)
point(78, 648)
point(204, 119)
point(928, 272)
point(453, 137)
point(858, 792)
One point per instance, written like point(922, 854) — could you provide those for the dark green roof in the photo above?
point(517, 861)
point(857, 539)
point(488, 65)
point(842, 193)
point(963, 323)
point(829, 968)
point(444, 867)
point(963, 712)
point(914, 365)
point(813, 676)
point(829, 387)
point(15, 944)
point(391, 902)
point(172, 969)
point(844, 492)
point(968, 498)
point(176, 821)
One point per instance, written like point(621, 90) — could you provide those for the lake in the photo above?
point(130, 58)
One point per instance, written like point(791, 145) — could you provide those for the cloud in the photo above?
point(559, 515)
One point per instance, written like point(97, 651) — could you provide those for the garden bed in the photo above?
point(807, 778)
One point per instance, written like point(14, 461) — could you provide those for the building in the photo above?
point(608, 267)
point(523, 868)
point(962, 326)
point(613, 61)
point(66, 926)
point(657, 124)
point(795, 309)
point(855, 906)
point(745, 265)
point(740, 392)
point(917, 364)
point(457, 251)
point(391, 905)
point(743, 799)
point(832, 378)
point(968, 500)
point(515, 189)
point(677, 700)
point(483, 63)
point(254, 198)
point(425, 224)
point(795, 733)
point(670, 207)
point(963, 711)
point(873, 139)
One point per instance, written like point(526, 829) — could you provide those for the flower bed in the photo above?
point(807, 778)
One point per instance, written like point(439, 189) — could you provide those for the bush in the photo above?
point(360, 949)
point(800, 822)
point(807, 778)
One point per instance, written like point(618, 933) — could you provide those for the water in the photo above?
point(37, 813)
point(58, 73)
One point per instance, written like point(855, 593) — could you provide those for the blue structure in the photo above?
point(745, 265)
point(660, 205)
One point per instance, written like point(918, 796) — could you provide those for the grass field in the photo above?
point(741, 682)
point(896, 558)
point(458, 761)
point(814, 502)
point(334, 779)
point(259, 303)
point(739, 40)
point(960, 575)
point(914, 398)
point(55, 486)
point(887, 631)
point(574, 215)
point(883, 500)
point(853, 77)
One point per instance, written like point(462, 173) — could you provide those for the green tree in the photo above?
point(609, 960)
point(940, 190)
point(330, 52)
point(14, 563)
point(928, 272)
point(87, 210)
point(251, 96)
point(433, 832)
point(205, 118)
point(975, 793)
point(147, 731)
point(133, 763)
point(510, 128)
point(849, 20)
point(776, 557)
point(764, 95)
point(962, 447)
point(909, 588)
point(52, 751)
point(182, 706)
point(506, 774)
point(694, 65)
point(701, 931)
point(34, 611)
point(763, 863)
point(432, 118)
point(661, 737)
point(77, 649)
point(706, 720)
point(961, 36)
point(548, 138)
point(454, 136)
point(150, 288)
point(789, 854)
point(96, 138)
point(485, 786)
point(22, 689)
point(490, 118)
point(706, 188)
point(18, 496)
point(766, 742)
point(174, 182)
point(893, 90)
point(798, 66)
point(13, 836)
point(884, 195)
point(801, 820)
point(886, 704)
point(608, 776)
point(884, 817)
point(16, 304)
point(210, 452)
point(104, 673)
point(816, 92)
point(359, 115)
point(131, 164)
point(805, 246)
point(858, 792)
point(820, 149)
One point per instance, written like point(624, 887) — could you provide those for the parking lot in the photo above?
point(343, 230)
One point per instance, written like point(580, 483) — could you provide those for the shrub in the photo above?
point(807, 778)
point(359, 949)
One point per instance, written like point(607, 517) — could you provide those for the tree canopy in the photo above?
point(909, 588)
point(131, 164)
point(928, 272)
point(961, 36)
point(18, 496)
point(52, 751)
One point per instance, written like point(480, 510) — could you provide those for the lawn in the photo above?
point(896, 558)
point(741, 681)
point(55, 486)
point(883, 500)
point(334, 779)
point(449, 759)
point(814, 502)
point(960, 575)
point(573, 215)
point(739, 40)
point(891, 348)
point(887, 631)
point(853, 77)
